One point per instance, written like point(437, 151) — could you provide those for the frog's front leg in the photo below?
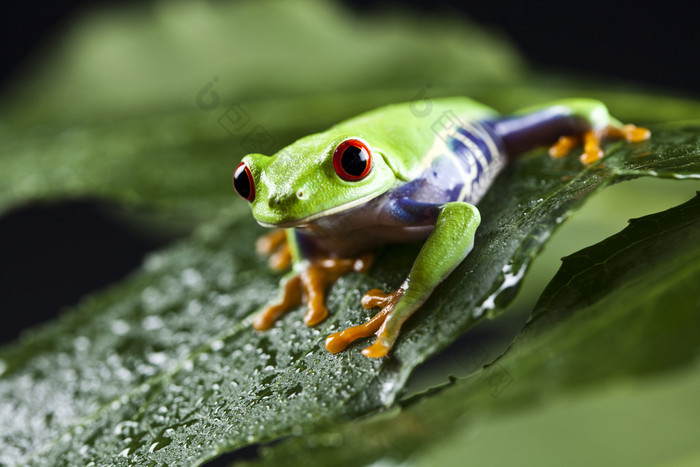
point(276, 246)
point(309, 282)
point(448, 245)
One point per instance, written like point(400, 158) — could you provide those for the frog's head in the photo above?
point(319, 175)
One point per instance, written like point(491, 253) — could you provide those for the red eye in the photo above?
point(352, 160)
point(243, 182)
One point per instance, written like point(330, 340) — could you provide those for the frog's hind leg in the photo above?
point(591, 146)
point(591, 141)
point(565, 123)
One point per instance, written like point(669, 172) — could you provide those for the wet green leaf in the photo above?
point(605, 373)
point(164, 367)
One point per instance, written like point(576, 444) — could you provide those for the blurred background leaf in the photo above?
point(119, 110)
point(113, 111)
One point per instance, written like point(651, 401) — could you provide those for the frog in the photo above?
point(397, 175)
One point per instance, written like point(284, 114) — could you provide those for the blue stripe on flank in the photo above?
point(482, 168)
point(479, 142)
point(415, 202)
point(468, 161)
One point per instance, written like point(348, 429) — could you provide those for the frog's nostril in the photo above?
point(275, 201)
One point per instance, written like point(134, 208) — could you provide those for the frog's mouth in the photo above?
point(341, 208)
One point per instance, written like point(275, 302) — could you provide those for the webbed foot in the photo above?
point(339, 341)
point(591, 141)
point(310, 286)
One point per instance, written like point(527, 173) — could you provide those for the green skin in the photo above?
point(298, 187)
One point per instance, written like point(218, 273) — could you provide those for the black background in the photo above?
point(71, 249)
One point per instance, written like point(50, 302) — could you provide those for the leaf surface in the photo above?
point(609, 360)
point(165, 367)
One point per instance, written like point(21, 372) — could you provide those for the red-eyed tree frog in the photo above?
point(396, 175)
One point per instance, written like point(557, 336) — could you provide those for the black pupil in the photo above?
point(354, 160)
point(241, 182)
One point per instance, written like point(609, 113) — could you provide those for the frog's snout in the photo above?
point(276, 201)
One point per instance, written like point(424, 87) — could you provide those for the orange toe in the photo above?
point(376, 350)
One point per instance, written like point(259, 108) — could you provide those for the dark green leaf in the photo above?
point(166, 368)
point(641, 322)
